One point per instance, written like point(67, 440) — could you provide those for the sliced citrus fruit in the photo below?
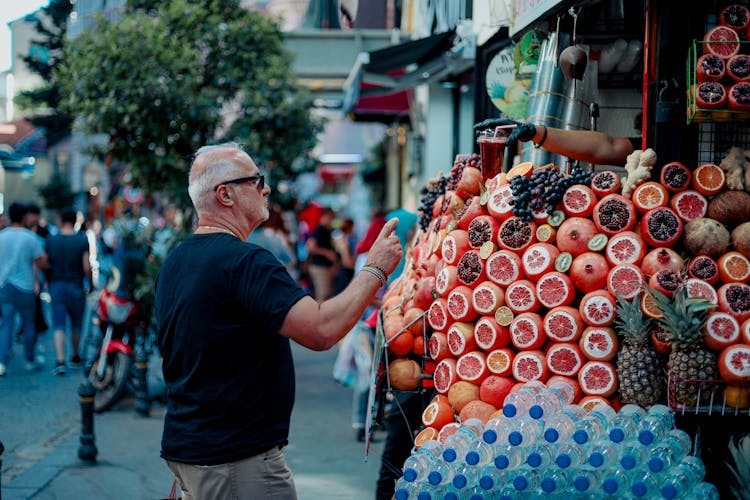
point(500, 361)
point(546, 233)
point(503, 316)
point(708, 179)
point(426, 434)
point(733, 268)
point(487, 249)
point(648, 306)
point(525, 168)
point(650, 195)
point(438, 413)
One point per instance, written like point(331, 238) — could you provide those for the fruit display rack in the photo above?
point(706, 397)
point(696, 114)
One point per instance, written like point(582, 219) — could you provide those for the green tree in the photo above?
point(43, 59)
point(166, 77)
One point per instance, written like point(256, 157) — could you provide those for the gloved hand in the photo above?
point(523, 131)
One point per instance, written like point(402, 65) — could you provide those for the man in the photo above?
point(22, 257)
point(225, 311)
point(323, 258)
point(68, 253)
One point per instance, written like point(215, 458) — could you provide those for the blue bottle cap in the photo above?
point(656, 464)
point(472, 458)
point(410, 475)
point(476, 496)
point(616, 435)
point(628, 461)
point(515, 438)
point(401, 494)
point(669, 491)
point(563, 460)
point(596, 459)
point(610, 486)
point(424, 495)
point(580, 436)
point(534, 459)
point(502, 462)
point(639, 488)
point(548, 484)
point(449, 455)
point(509, 410)
point(536, 412)
point(489, 436)
point(459, 481)
point(486, 482)
point(520, 483)
point(551, 435)
point(582, 483)
point(646, 437)
point(450, 496)
point(434, 477)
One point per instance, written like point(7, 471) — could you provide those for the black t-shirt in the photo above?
point(65, 253)
point(322, 236)
point(220, 303)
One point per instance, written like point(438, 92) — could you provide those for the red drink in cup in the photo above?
point(492, 151)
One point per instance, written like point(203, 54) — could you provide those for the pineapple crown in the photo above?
point(631, 322)
point(683, 316)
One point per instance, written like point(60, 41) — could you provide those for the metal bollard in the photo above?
point(143, 401)
point(2, 449)
point(87, 451)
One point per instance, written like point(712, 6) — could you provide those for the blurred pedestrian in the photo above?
point(226, 310)
point(274, 237)
point(22, 257)
point(345, 242)
point(323, 258)
point(69, 268)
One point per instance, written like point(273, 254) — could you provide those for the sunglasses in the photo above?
point(258, 177)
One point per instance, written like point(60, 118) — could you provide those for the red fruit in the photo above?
point(660, 341)
point(487, 297)
point(662, 258)
point(445, 375)
point(625, 280)
point(689, 205)
point(448, 431)
point(530, 365)
point(455, 244)
point(578, 201)
point(568, 385)
point(613, 214)
point(469, 183)
point(498, 205)
point(745, 332)
point(470, 269)
point(472, 367)
point(437, 346)
point(574, 234)
point(500, 361)
point(419, 347)
point(739, 97)
point(402, 343)
point(504, 267)
point(697, 288)
point(423, 293)
point(414, 320)
point(720, 331)
point(734, 298)
point(738, 67)
point(538, 259)
point(675, 177)
point(446, 280)
point(598, 378)
point(461, 338)
point(666, 281)
point(482, 229)
point(555, 289)
point(589, 272)
point(710, 68)
point(516, 234)
point(734, 363)
point(494, 389)
point(599, 343)
point(626, 247)
point(605, 182)
point(563, 324)
point(721, 41)
point(527, 331)
point(735, 16)
point(438, 413)
point(520, 297)
point(471, 210)
point(661, 227)
point(459, 304)
point(710, 95)
point(489, 335)
point(437, 316)
point(597, 308)
point(564, 359)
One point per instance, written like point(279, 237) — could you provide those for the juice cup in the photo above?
point(492, 151)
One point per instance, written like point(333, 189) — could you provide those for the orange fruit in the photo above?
point(504, 316)
point(524, 168)
point(648, 306)
point(650, 195)
point(588, 403)
point(708, 179)
point(737, 396)
point(426, 434)
point(733, 268)
point(500, 361)
point(447, 431)
point(546, 234)
point(438, 413)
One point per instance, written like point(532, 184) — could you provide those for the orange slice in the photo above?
point(708, 179)
point(525, 168)
point(426, 434)
point(503, 316)
point(546, 234)
point(650, 195)
point(648, 306)
point(733, 268)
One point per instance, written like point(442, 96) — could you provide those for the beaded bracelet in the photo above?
point(378, 268)
point(544, 138)
point(376, 272)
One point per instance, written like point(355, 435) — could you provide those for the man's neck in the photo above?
point(67, 229)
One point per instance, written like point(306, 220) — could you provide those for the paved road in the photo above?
point(40, 425)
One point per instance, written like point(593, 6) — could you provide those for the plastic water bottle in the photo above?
point(645, 487)
point(559, 428)
point(602, 455)
point(517, 403)
point(440, 474)
point(668, 451)
point(464, 480)
point(703, 491)
point(626, 424)
point(681, 479)
point(526, 479)
point(495, 428)
point(419, 462)
point(569, 456)
point(547, 403)
point(406, 490)
point(509, 458)
point(461, 442)
point(658, 421)
point(589, 429)
point(585, 481)
point(524, 431)
point(555, 481)
point(540, 456)
point(480, 454)
point(632, 456)
point(615, 484)
point(491, 480)
point(566, 390)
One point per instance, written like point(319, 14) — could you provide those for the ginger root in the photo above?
point(733, 165)
point(638, 167)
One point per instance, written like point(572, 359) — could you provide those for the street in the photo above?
point(40, 430)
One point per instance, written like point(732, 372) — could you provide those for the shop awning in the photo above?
point(380, 82)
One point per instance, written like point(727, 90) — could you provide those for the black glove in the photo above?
point(523, 131)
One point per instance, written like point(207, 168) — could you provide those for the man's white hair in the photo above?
point(218, 168)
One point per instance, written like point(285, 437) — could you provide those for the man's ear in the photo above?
point(223, 196)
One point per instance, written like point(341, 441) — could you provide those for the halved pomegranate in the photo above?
point(739, 96)
point(710, 95)
point(709, 68)
point(614, 213)
point(675, 177)
point(738, 68)
point(661, 227)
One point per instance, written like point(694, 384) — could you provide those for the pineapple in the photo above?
point(638, 364)
point(690, 363)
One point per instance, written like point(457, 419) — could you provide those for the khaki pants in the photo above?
point(263, 476)
point(322, 279)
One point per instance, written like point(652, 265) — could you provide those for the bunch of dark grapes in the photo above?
point(522, 186)
point(462, 161)
point(543, 190)
point(554, 192)
point(430, 193)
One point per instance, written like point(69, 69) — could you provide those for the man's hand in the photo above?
point(522, 132)
point(386, 252)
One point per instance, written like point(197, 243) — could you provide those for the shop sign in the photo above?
point(528, 11)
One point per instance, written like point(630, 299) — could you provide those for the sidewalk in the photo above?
point(326, 460)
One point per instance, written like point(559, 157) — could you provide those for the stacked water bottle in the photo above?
point(544, 446)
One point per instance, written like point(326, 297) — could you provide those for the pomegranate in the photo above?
point(666, 281)
point(589, 272)
point(494, 389)
point(614, 213)
point(734, 363)
point(574, 234)
point(710, 95)
point(423, 293)
point(661, 258)
point(516, 234)
point(739, 96)
point(482, 229)
point(735, 16)
point(738, 68)
point(468, 185)
point(709, 68)
point(675, 177)
point(470, 268)
point(470, 211)
point(705, 268)
point(661, 227)
point(734, 298)
point(455, 244)
point(605, 182)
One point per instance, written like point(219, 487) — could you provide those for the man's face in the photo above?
point(30, 220)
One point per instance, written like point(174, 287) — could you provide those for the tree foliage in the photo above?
point(44, 100)
point(166, 77)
